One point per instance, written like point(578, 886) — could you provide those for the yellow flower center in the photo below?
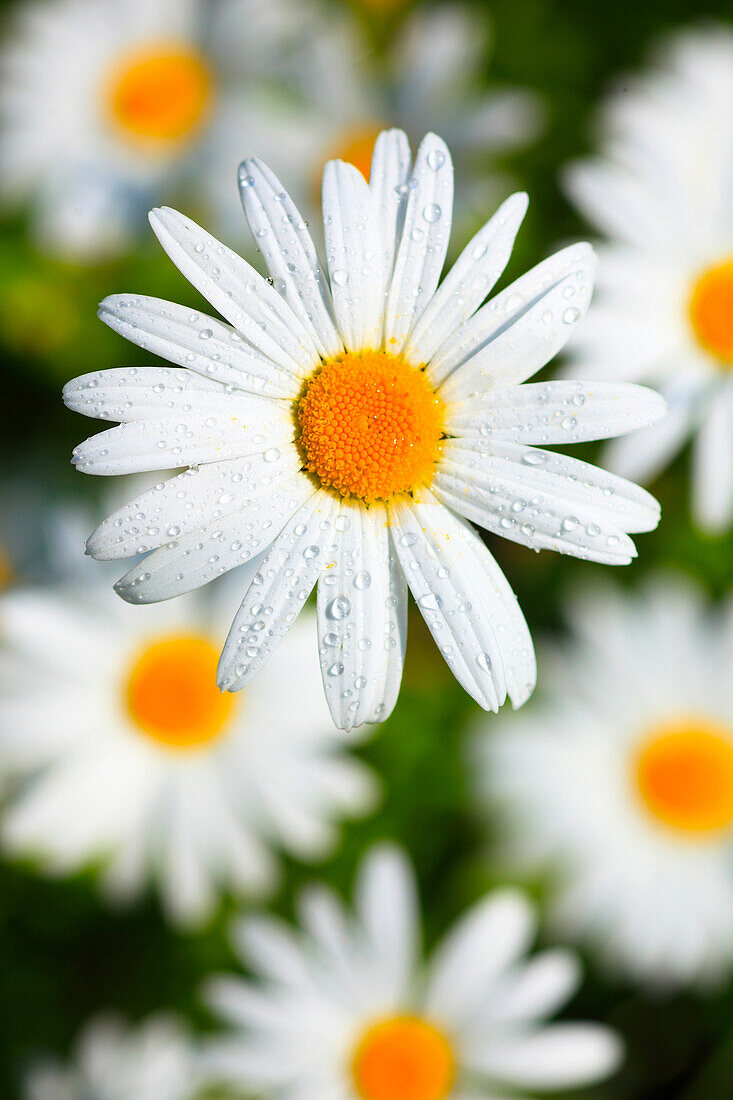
point(711, 311)
point(403, 1058)
point(159, 95)
point(171, 692)
point(370, 425)
point(684, 774)
point(356, 147)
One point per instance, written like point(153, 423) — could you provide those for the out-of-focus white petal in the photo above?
point(712, 463)
point(386, 901)
point(560, 1056)
point(488, 939)
point(537, 988)
point(271, 948)
point(643, 455)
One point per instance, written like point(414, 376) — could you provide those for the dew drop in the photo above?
point(338, 608)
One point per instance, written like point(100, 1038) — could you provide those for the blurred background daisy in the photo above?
point(143, 816)
point(660, 190)
point(619, 786)
point(120, 750)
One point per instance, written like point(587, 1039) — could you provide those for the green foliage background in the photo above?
point(63, 956)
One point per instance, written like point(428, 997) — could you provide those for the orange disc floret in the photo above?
point(684, 774)
point(171, 692)
point(357, 146)
point(711, 311)
point(403, 1058)
point(370, 426)
point(160, 93)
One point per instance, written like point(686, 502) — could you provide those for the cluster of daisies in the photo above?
point(345, 428)
point(164, 95)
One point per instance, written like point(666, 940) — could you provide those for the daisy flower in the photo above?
point(153, 1061)
point(346, 1010)
point(353, 430)
point(621, 785)
point(89, 144)
point(430, 78)
point(131, 758)
point(660, 191)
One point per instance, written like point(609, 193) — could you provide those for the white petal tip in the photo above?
point(520, 200)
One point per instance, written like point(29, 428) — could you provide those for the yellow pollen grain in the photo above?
point(403, 1058)
point(171, 694)
point(159, 94)
point(683, 772)
point(711, 311)
point(370, 426)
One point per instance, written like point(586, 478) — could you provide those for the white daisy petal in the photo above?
point(535, 334)
point(198, 342)
point(323, 996)
point(545, 500)
point(386, 902)
point(640, 674)
point(557, 1057)
point(270, 948)
point(388, 178)
point(621, 202)
point(538, 988)
point(285, 580)
point(283, 239)
point(555, 412)
point(659, 191)
point(242, 1005)
point(465, 601)
point(572, 267)
point(712, 467)
point(207, 552)
point(641, 457)
point(468, 282)
point(325, 921)
point(184, 502)
point(362, 618)
point(564, 530)
point(424, 242)
point(126, 393)
point(237, 291)
point(250, 395)
point(354, 255)
point(155, 1060)
point(487, 940)
point(174, 442)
